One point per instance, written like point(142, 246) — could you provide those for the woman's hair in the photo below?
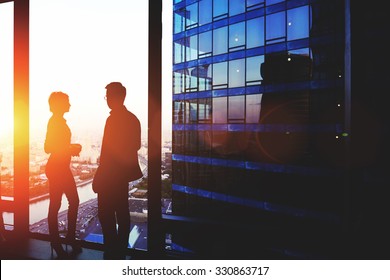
point(56, 100)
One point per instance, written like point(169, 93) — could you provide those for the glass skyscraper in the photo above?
point(259, 130)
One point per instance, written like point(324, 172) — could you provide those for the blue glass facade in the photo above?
point(258, 113)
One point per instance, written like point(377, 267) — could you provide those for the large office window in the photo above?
point(64, 58)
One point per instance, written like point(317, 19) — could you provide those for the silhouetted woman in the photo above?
point(61, 180)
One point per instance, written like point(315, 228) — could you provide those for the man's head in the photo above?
point(115, 94)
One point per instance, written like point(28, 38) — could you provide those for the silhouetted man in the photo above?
point(117, 167)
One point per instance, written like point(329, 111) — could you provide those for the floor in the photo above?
point(34, 249)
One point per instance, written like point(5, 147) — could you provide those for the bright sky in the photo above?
point(6, 71)
point(78, 47)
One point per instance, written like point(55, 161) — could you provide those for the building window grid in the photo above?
point(271, 41)
point(208, 54)
point(249, 6)
point(233, 49)
point(247, 83)
point(258, 166)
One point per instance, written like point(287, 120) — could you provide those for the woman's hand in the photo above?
point(75, 149)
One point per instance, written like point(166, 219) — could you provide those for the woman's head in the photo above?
point(59, 102)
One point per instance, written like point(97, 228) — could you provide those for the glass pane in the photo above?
point(178, 112)
point(220, 37)
point(236, 109)
point(220, 74)
point(204, 110)
point(192, 15)
point(253, 106)
point(6, 106)
point(63, 58)
point(205, 13)
point(179, 21)
point(301, 64)
point(276, 26)
point(179, 51)
point(253, 73)
point(220, 9)
point(236, 7)
point(237, 36)
point(204, 77)
point(192, 48)
point(298, 23)
point(191, 79)
point(255, 32)
point(237, 73)
point(204, 149)
point(178, 81)
point(220, 110)
point(191, 111)
point(205, 44)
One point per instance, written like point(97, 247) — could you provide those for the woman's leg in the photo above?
point(73, 206)
point(55, 197)
point(54, 207)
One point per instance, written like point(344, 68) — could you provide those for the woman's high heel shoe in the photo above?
point(61, 253)
point(76, 247)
